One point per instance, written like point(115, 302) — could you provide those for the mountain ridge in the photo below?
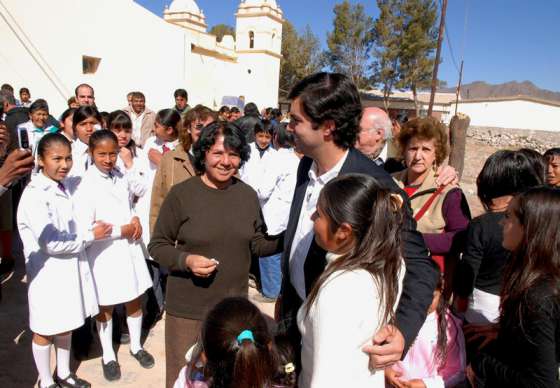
point(481, 89)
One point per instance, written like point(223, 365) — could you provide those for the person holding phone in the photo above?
point(32, 131)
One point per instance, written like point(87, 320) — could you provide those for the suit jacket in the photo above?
point(421, 274)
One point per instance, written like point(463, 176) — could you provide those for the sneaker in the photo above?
point(263, 299)
point(145, 359)
point(74, 382)
point(111, 370)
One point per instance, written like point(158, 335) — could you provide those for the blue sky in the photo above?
point(505, 40)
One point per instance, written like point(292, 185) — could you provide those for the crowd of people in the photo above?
point(348, 221)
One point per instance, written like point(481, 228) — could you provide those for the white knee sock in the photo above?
point(62, 344)
point(135, 331)
point(105, 330)
point(42, 357)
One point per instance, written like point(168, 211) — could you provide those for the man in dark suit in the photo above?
point(325, 115)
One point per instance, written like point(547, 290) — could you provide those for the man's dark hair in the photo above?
point(82, 86)
point(181, 93)
point(251, 109)
point(331, 96)
point(234, 109)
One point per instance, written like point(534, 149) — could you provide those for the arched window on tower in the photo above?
point(251, 39)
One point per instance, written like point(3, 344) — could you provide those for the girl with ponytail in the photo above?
point(234, 351)
point(358, 223)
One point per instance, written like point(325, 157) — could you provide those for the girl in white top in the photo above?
point(61, 288)
point(119, 266)
point(358, 223)
point(85, 121)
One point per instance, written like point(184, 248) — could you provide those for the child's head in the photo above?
point(54, 155)
point(167, 125)
point(24, 95)
point(120, 124)
point(263, 133)
point(66, 122)
point(236, 343)
point(84, 122)
point(506, 173)
point(552, 157)
point(284, 356)
point(104, 149)
point(360, 220)
point(39, 113)
point(531, 234)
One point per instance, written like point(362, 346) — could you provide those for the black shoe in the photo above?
point(78, 383)
point(145, 359)
point(111, 370)
point(125, 339)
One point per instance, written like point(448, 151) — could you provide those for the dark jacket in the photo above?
point(247, 124)
point(421, 274)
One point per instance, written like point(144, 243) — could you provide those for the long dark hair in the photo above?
point(441, 312)
point(233, 362)
point(119, 119)
point(537, 259)
point(375, 215)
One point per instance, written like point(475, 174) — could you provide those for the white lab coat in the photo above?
point(119, 266)
point(254, 170)
point(61, 286)
point(80, 157)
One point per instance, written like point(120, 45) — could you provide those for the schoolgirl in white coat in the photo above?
point(119, 268)
point(61, 289)
point(85, 121)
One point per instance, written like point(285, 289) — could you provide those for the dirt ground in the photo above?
point(16, 363)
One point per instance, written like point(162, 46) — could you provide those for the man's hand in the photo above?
point(102, 230)
point(387, 348)
point(446, 175)
point(18, 163)
point(200, 266)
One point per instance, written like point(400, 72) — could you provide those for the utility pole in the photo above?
point(438, 54)
point(458, 92)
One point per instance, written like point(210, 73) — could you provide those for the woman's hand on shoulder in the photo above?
point(446, 175)
point(102, 230)
point(200, 266)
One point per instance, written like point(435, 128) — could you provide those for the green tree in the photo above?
point(222, 29)
point(387, 35)
point(417, 46)
point(350, 42)
point(301, 55)
point(405, 40)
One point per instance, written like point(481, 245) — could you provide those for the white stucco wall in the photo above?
point(516, 114)
point(138, 51)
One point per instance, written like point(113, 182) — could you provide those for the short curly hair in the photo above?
point(234, 139)
point(426, 128)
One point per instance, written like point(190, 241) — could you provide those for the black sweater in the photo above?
point(526, 355)
point(226, 225)
point(484, 258)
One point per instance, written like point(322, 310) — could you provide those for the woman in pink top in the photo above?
point(437, 356)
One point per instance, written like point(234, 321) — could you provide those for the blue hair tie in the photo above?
point(245, 335)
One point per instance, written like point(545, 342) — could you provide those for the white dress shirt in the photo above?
point(304, 231)
point(253, 171)
point(137, 125)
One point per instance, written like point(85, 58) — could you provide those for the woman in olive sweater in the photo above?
point(207, 230)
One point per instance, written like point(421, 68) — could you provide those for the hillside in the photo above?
point(481, 89)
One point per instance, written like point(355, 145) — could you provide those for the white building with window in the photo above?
point(117, 46)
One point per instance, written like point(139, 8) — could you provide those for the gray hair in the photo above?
point(6, 96)
point(383, 122)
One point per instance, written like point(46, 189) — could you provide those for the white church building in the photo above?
point(117, 46)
